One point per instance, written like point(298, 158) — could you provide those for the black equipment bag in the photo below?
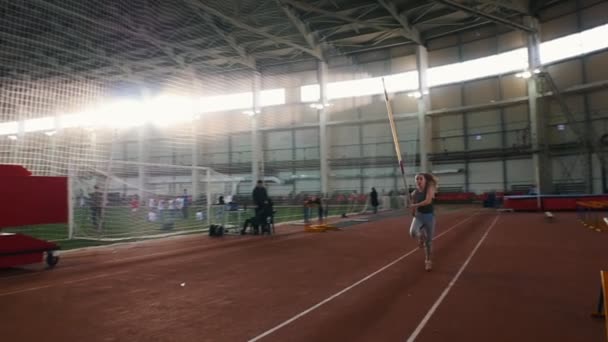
point(216, 230)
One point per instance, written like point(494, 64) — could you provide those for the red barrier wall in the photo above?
point(27, 200)
point(549, 203)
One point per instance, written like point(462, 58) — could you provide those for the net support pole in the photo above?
point(141, 170)
point(141, 153)
point(107, 181)
point(255, 132)
point(323, 146)
point(195, 173)
point(538, 131)
point(208, 195)
point(18, 146)
point(70, 198)
point(195, 141)
point(423, 106)
point(54, 166)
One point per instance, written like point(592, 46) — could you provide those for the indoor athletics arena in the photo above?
point(303, 170)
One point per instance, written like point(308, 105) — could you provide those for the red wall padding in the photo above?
point(455, 196)
point(33, 200)
point(549, 203)
point(521, 203)
point(13, 170)
point(21, 244)
point(21, 259)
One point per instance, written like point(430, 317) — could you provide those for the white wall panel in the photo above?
point(568, 169)
point(403, 64)
point(594, 15)
point(519, 172)
point(450, 180)
point(511, 41)
point(479, 48)
point(443, 56)
point(382, 185)
point(566, 74)
point(513, 87)
point(559, 27)
point(596, 67)
point(485, 176)
point(481, 91)
point(343, 135)
point(446, 96)
point(484, 130)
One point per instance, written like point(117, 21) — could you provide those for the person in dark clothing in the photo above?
point(265, 217)
point(317, 202)
point(308, 203)
point(262, 220)
point(373, 197)
point(260, 196)
point(185, 204)
point(96, 205)
point(260, 199)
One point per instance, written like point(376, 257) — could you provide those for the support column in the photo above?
point(423, 105)
point(503, 137)
point(588, 123)
point(141, 158)
point(72, 200)
point(56, 167)
point(196, 176)
point(255, 133)
point(208, 195)
point(503, 125)
point(361, 154)
point(323, 145)
point(18, 146)
point(124, 156)
point(538, 128)
point(195, 161)
point(141, 153)
point(230, 152)
point(465, 132)
point(294, 157)
point(465, 125)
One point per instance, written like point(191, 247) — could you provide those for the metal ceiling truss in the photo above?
point(245, 59)
point(491, 17)
point(306, 33)
point(236, 22)
point(409, 31)
point(156, 38)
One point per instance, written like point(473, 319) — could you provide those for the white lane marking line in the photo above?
point(447, 289)
point(67, 282)
point(325, 301)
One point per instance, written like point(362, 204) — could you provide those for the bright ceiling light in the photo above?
point(169, 109)
point(525, 74)
point(251, 112)
point(415, 94)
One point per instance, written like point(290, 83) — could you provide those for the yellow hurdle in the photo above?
point(591, 216)
point(317, 228)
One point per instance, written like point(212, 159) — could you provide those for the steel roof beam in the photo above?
point(488, 16)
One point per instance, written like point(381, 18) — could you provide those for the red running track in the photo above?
point(514, 277)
